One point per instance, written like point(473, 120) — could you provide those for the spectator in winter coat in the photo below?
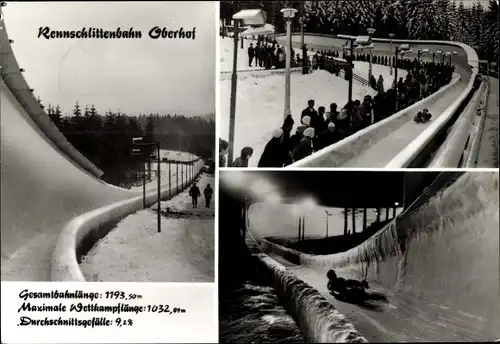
point(208, 192)
point(373, 82)
point(273, 155)
point(380, 84)
point(286, 140)
point(304, 148)
point(331, 116)
point(309, 111)
point(194, 192)
point(297, 137)
point(242, 160)
point(319, 125)
point(328, 137)
point(223, 146)
point(251, 54)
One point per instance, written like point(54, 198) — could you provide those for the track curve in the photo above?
point(46, 182)
point(437, 266)
point(381, 152)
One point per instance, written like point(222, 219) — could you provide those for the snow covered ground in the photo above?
point(135, 252)
point(260, 104)
point(167, 154)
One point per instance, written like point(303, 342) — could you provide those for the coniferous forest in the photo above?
point(466, 21)
point(106, 139)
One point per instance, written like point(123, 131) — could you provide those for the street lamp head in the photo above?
point(370, 31)
point(396, 203)
point(391, 35)
point(288, 13)
point(439, 51)
point(448, 53)
point(455, 53)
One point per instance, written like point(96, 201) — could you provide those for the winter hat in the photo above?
point(331, 126)
point(300, 129)
point(306, 120)
point(277, 133)
point(309, 132)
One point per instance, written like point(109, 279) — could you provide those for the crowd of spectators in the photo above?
point(323, 127)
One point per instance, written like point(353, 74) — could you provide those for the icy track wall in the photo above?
point(83, 232)
point(445, 250)
point(467, 67)
point(14, 79)
point(316, 318)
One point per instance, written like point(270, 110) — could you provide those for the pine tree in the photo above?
point(463, 22)
point(443, 19)
point(454, 22)
point(491, 32)
point(421, 16)
point(393, 18)
point(77, 117)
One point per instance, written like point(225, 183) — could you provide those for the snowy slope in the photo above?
point(260, 104)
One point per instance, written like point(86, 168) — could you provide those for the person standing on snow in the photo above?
point(208, 192)
point(273, 155)
point(305, 147)
point(251, 54)
point(242, 160)
point(194, 192)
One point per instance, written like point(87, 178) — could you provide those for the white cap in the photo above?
point(277, 133)
point(306, 120)
point(331, 126)
point(309, 132)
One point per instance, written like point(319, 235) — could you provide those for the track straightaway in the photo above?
point(384, 149)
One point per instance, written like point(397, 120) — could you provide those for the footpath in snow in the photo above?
point(135, 252)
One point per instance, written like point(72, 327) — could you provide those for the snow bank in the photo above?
point(318, 320)
point(135, 252)
point(260, 105)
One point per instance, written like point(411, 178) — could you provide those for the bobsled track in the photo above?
point(48, 189)
point(397, 141)
point(433, 271)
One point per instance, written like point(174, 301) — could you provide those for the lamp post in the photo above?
point(391, 36)
point(370, 31)
point(232, 103)
point(439, 52)
point(288, 14)
point(327, 214)
point(250, 17)
point(399, 50)
point(394, 209)
point(302, 35)
point(419, 54)
point(137, 141)
point(449, 54)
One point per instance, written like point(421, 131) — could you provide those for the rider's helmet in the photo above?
point(426, 110)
